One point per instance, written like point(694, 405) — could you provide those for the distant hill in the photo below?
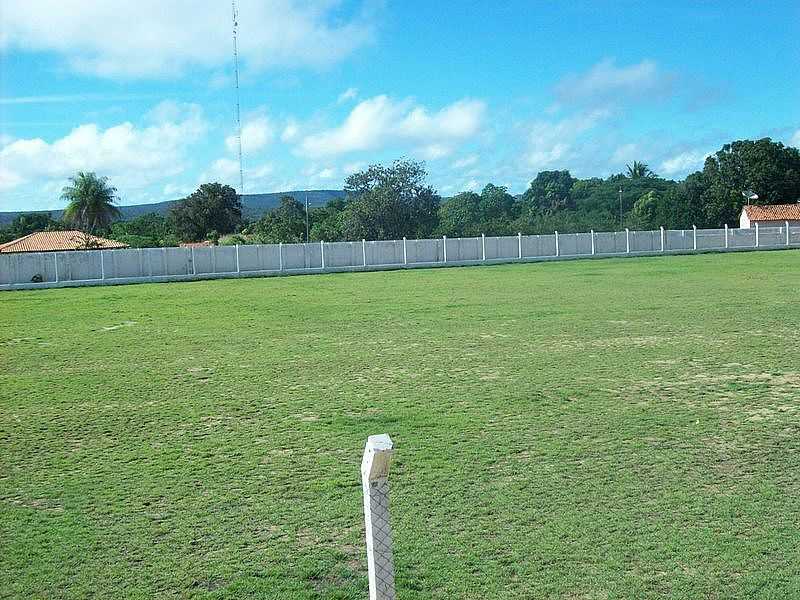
point(253, 205)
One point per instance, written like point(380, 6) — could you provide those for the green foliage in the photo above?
point(147, 231)
point(90, 202)
point(213, 207)
point(387, 203)
point(469, 214)
point(28, 223)
point(285, 223)
point(639, 170)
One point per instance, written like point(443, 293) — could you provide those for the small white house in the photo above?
point(770, 215)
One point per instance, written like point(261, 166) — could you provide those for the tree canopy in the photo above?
point(213, 207)
point(90, 202)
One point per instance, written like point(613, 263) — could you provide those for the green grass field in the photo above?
point(589, 429)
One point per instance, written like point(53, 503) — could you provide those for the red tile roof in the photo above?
point(773, 212)
point(46, 241)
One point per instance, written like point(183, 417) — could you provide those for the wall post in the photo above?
point(558, 253)
point(519, 245)
point(444, 245)
point(102, 266)
point(238, 270)
point(483, 247)
point(405, 254)
point(280, 256)
point(662, 239)
point(726, 235)
point(55, 262)
point(363, 252)
point(322, 252)
point(592, 234)
point(756, 234)
point(375, 484)
point(787, 233)
point(627, 241)
point(694, 237)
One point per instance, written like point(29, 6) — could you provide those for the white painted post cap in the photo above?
point(377, 457)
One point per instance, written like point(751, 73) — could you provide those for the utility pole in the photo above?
point(236, 80)
point(620, 206)
point(306, 217)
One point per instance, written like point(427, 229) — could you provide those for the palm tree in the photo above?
point(639, 170)
point(90, 202)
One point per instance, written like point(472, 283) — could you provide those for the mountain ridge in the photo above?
point(253, 205)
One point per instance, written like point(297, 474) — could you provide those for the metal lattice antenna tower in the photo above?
point(236, 80)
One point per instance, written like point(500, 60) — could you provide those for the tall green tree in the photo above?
point(387, 203)
point(213, 207)
point(90, 203)
point(285, 223)
point(549, 192)
point(639, 170)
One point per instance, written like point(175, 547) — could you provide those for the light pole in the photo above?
point(620, 206)
point(306, 218)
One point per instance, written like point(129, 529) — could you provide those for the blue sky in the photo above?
point(482, 91)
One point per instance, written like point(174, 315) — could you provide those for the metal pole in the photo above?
point(444, 246)
point(364, 251)
point(592, 234)
point(483, 247)
point(375, 484)
point(557, 250)
point(519, 245)
point(405, 254)
point(307, 240)
point(620, 207)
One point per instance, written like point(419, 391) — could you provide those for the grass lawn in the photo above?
point(589, 429)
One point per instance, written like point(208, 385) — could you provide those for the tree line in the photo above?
point(395, 201)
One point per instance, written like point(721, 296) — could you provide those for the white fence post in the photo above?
point(322, 252)
point(662, 239)
point(280, 256)
point(405, 254)
point(375, 483)
point(55, 262)
point(238, 270)
point(756, 235)
point(444, 246)
point(694, 237)
point(557, 250)
point(102, 266)
point(483, 246)
point(194, 268)
point(787, 233)
point(726, 235)
point(627, 241)
point(363, 252)
point(592, 234)
point(519, 245)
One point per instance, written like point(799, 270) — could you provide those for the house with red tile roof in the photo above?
point(770, 215)
point(49, 241)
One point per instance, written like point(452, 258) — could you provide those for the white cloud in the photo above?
point(606, 83)
point(552, 144)
point(155, 38)
point(626, 153)
point(290, 131)
point(380, 121)
point(256, 133)
point(795, 139)
point(434, 151)
point(131, 156)
point(683, 162)
point(348, 94)
point(467, 161)
point(226, 170)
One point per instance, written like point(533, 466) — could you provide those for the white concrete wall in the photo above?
point(97, 267)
